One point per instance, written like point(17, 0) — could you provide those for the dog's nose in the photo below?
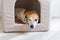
point(32, 26)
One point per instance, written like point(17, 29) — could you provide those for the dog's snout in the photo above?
point(32, 26)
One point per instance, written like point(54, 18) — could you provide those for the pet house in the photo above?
point(40, 6)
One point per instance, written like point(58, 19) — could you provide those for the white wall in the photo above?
point(55, 8)
point(0, 9)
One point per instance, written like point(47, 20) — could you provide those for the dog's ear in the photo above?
point(25, 16)
point(25, 19)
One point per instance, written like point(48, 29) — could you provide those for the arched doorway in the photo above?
point(28, 4)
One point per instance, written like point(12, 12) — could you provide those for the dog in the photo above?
point(29, 17)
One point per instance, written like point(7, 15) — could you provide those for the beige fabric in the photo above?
point(19, 12)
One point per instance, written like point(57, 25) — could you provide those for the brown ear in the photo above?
point(25, 19)
point(25, 16)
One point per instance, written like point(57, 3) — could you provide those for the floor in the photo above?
point(52, 34)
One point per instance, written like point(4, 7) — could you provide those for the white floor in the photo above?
point(52, 34)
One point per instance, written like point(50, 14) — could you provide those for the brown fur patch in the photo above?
point(30, 13)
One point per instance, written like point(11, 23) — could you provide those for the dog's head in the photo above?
point(31, 18)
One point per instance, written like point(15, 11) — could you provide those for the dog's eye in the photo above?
point(29, 19)
point(35, 19)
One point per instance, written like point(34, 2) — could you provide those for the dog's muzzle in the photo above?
point(32, 26)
